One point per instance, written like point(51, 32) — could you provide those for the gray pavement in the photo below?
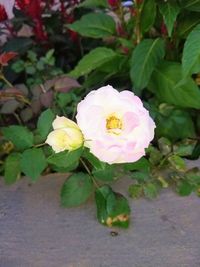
point(36, 232)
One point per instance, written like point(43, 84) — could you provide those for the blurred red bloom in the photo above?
point(3, 14)
point(163, 29)
point(6, 57)
point(113, 3)
point(34, 10)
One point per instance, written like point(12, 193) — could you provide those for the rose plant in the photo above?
point(116, 128)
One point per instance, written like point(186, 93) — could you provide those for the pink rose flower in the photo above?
point(115, 125)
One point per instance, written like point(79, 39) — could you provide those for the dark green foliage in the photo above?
point(76, 190)
point(20, 136)
point(33, 162)
point(112, 207)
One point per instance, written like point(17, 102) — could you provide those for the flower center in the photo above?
point(113, 124)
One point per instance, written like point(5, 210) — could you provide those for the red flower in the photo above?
point(114, 3)
point(3, 14)
point(33, 9)
point(6, 57)
point(22, 3)
point(163, 29)
point(138, 2)
point(120, 30)
point(73, 35)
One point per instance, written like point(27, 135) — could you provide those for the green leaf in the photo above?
point(150, 190)
point(94, 25)
point(193, 176)
point(169, 10)
point(191, 52)
point(145, 58)
point(165, 83)
point(147, 21)
point(12, 168)
point(94, 59)
point(177, 163)
point(187, 23)
point(49, 55)
point(94, 161)
point(76, 190)
point(141, 164)
point(140, 176)
point(193, 5)
point(32, 56)
point(63, 99)
point(114, 66)
point(44, 124)
point(65, 159)
point(94, 3)
point(95, 79)
point(135, 190)
point(20, 136)
point(18, 66)
point(30, 69)
point(112, 208)
point(196, 151)
point(18, 44)
point(118, 66)
point(155, 155)
point(185, 189)
point(33, 162)
point(177, 125)
point(185, 147)
point(164, 145)
point(106, 173)
point(69, 168)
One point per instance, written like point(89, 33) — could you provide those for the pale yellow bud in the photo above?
point(66, 136)
point(63, 122)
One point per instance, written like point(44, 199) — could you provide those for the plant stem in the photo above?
point(89, 172)
point(17, 118)
point(39, 145)
point(19, 97)
point(163, 160)
point(137, 26)
point(121, 16)
point(3, 78)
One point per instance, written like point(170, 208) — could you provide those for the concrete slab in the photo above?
point(36, 232)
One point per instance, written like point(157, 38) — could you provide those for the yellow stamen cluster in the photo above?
point(113, 123)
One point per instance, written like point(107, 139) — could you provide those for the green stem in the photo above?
point(89, 172)
point(137, 26)
point(20, 98)
point(17, 118)
point(163, 160)
point(3, 78)
point(39, 145)
point(121, 16)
